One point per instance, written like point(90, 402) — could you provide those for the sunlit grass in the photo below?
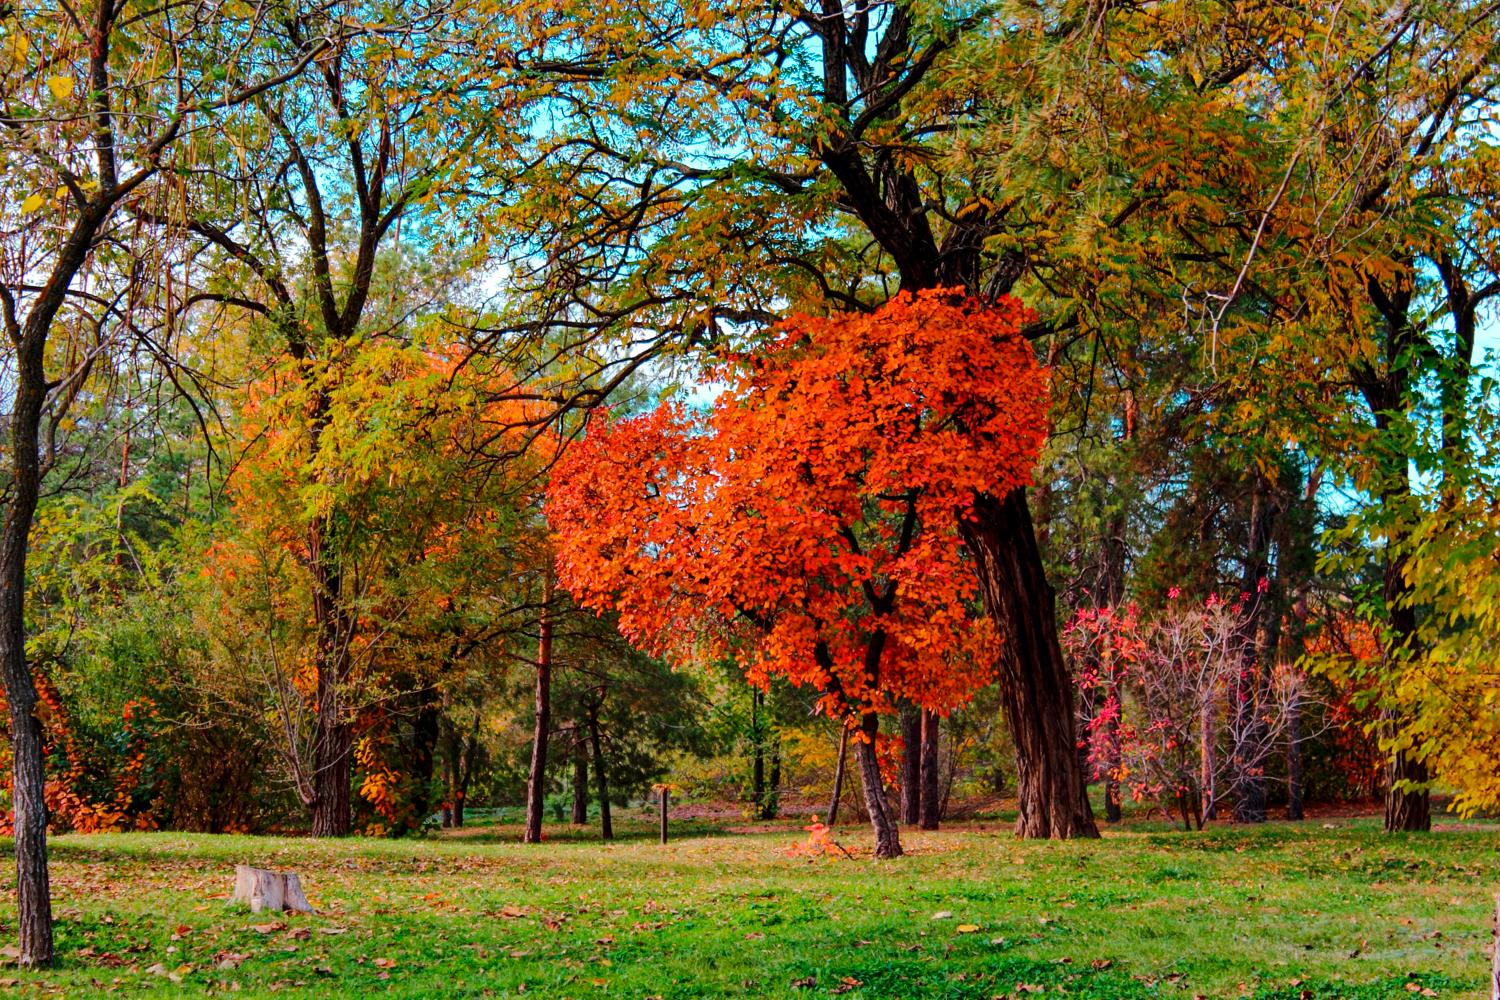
point(1283, 912)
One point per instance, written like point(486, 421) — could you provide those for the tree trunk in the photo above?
point(911, 765)
point(451, 750)
point(771, 807)
point(536, 784)
point(606, 829)
point(1112, 763)
point(887, 839)
point(580, 779)
point(424, 752)
point(838, 775)
point(1209, 780)
point(1294, 757)
point(932, 803)
point(28, 775)
point(333, 741)
point(1035, 685)
point(470, 760)
point(1250, 688)
point(1405, 810)
point(758, 759)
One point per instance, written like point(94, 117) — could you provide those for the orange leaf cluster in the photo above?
point(806, 523)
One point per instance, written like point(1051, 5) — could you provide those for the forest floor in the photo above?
point(1310, 911)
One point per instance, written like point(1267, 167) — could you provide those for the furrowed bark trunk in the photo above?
point(911, 766)
point(28, 775)
point(1409, 810)
point(536, 784)
point(887, 839)
point(333, 742)
point(580, 780)
point(606, 828)
point(838, 776)
point(932, 803)
point(1035, 684)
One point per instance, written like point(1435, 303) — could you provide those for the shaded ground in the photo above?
point(1282, 912)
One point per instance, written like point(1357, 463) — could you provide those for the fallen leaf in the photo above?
point(805, 984)
point(998, 940)
point(385, 963)
point(299, 933)
point(942, 915)
point(509, 910)
point(333, 930)
point(271, 928)
point(157, 970)
point(754, 936)
point(1428, 992)
point(1029, 988)
point(967, 928)
point(382, 975)
point(1100, 963)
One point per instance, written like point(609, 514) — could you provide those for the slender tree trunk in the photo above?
point(932, 803)
point(911, 765)
point(1035, 685)
point(1294, 757)
point(758, 763)
point(772, 805)
point(580, 780)
point(1209, 780)
point(536, 785)
point(1250, 690)
point(425, 727)
point(887, 839)
point(838, 775)
point(1112, 764)
point(28, 775)
point(448, 738)
point(470, 760)
point(606, 828)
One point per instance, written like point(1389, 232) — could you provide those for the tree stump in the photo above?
point(268, 890)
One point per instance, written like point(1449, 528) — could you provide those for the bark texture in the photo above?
point(932, 802)
point(887, 839)
point(536, 782)
point(601, 775)
point(838, 775)
point(1035, 684)
point(580, 779)
point(911, 765)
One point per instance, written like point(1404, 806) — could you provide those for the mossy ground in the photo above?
point(1280, 912)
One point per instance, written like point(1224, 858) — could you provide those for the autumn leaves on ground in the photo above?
point(1283, 912)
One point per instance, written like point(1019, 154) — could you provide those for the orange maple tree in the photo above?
point(806, 522)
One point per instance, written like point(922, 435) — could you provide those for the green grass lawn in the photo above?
point(1283, 912)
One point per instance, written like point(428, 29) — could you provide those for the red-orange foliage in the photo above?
point(806, 523)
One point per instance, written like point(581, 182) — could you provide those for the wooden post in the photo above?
point(666, 794)
point(1495, 955)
